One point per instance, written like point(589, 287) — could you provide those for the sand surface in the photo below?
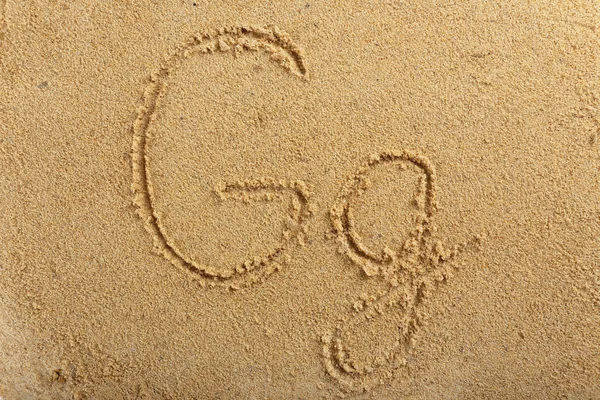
point(299, 199)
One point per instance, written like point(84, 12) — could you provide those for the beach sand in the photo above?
point(299, 200)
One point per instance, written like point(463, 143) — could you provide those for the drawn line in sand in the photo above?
point(235, 40)
point(268, 190)
point(411, 272)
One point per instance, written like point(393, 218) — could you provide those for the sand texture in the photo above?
point(299, 199)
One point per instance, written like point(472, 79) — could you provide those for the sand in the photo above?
point(299, 200)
